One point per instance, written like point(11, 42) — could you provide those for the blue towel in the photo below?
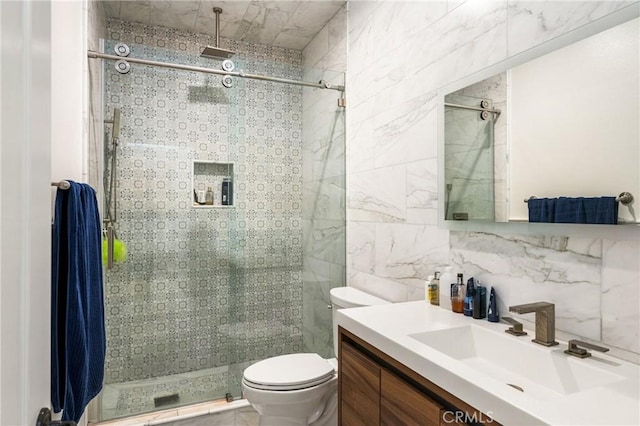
point(77, 310)
point(542, 209)
point(601, 210)
point(570, 210)
point(596, 210)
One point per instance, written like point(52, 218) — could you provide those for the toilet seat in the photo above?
point(289, 372)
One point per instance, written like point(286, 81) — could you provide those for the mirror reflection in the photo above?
point(555, 139)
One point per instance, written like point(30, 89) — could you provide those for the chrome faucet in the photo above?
point(545, 321)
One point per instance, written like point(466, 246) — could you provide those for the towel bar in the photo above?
point(63, 184)
point(624, 198)
point(44, 419)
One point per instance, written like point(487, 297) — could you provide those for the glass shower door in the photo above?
point(208, 289)
point(469, 164)
point(167, 304)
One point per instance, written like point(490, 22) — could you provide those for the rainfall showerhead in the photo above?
point(216, 52)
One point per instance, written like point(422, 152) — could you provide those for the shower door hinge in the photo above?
point(342, 102)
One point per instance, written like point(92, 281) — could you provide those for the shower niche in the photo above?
point(212, 185)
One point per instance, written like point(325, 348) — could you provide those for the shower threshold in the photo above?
point(239, 407)
point(132, 398)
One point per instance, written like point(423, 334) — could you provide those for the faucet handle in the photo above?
point(574, 348)
point(516, 327)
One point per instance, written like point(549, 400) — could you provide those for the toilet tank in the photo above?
point(348, 297)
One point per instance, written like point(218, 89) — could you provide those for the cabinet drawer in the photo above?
point(360, 387)
point(402, 404)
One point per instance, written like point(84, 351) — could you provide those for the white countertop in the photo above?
point(387, 327)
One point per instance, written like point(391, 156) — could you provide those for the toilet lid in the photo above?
point(288, 372)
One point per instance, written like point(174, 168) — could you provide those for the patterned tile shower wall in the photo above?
point(203, 287)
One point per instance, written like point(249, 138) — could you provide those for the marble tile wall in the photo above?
point(323, 174)
point(400, 55)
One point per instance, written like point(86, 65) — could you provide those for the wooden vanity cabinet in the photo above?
point(360, 385)
point(375, 389)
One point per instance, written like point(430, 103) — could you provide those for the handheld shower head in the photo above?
point(115, 131)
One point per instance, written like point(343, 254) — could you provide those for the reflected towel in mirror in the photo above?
point(591, 210)
point(542, 209)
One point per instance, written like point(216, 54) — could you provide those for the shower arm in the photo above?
point(217, 11)
point(321, 85)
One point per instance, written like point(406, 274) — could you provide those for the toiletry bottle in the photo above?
point(457, 295)
point(227, 191)
point(427, 288)
point(493, 315)
point(468, 298)
point(446, 278)
point(479, 302)
point(208, 197)
point(201, 197)
point(434, 289)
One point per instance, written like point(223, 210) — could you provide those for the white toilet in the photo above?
point(301, 389)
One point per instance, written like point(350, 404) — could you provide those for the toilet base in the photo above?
point(326, 420)
point(316, 406)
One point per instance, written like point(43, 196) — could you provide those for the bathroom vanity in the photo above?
point(413, 363)
point(375, 389)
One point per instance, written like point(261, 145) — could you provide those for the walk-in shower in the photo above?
point(208, 289)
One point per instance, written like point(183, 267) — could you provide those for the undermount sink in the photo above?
point(537, 371)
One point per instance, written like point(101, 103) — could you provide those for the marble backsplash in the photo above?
point(592, 282)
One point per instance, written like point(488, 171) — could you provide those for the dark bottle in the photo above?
point(227, 192)
point(493, 315)
point(480, 302)
point(468, 298)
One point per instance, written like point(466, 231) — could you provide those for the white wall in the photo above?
point(41, 140)
point(400, 55)
point(584, 95)
point(25, 221)
point(68, 42)
point(69, 95)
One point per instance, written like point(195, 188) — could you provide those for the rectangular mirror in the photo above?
point(562, 127)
